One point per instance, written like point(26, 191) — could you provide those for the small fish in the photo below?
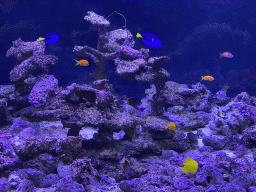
point(207, 78)
point(82, 62)
point(190, 166)
point(171, 126)
point(134, 102)
point(226, 55)
point(150, 40)
point(126, 168)
point(50, 38)
point(191, 137)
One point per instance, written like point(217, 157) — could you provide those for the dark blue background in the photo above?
point(172, 21)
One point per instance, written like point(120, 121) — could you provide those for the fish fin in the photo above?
point(138, 35)
point(41, 38)
point(77, 62)
point(126, 160)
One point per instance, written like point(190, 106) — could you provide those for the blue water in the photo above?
point(193, 33)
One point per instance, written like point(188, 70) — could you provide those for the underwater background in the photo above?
point(127, 96)
point(193, 33)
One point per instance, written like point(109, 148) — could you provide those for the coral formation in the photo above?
point(76, 138)
point(130, 63)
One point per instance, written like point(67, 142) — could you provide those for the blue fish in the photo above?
point(150, 40)
point(50, 38)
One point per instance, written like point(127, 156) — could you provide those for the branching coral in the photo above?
point(30, 57)
point(117, 45)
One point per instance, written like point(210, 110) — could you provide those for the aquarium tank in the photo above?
point(127, 96)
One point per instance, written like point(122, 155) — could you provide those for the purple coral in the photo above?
point(43, 90)
point(30, 57)
point(132, 64)
point(235, 116)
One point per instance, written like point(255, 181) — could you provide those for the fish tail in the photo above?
point(220, 55)
point(77, 62)
point(202, 78)
point(138, 35)
point(41, 38)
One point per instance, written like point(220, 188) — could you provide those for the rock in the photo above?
point(26, 186)
point(215, 142)
point(233, 118)
point(43, 90)
point(68, 185)
point(4, 185)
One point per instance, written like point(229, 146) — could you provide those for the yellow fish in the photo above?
point(207, 78)
point(190, 166)
point(171, 126)
point(82, 62)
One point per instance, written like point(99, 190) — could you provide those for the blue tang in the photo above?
point(150, 40)
point(50, 38)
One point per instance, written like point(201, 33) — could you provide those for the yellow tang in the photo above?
point(171, 126)
point(190, 166)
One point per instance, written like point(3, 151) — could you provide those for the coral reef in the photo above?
point(76, 138)
point(130, 63)
point(30, 57)
point(42, 90)
point(233, 118)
